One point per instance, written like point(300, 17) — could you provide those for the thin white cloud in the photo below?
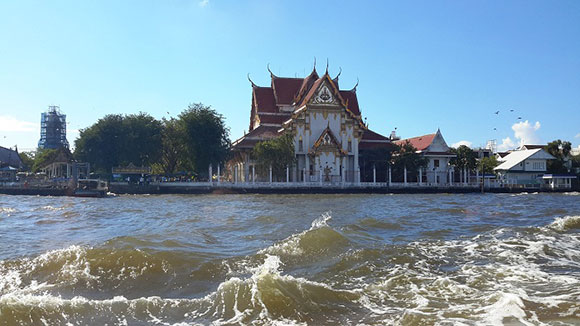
point(506, 144)
point(203, 3)
point(8, 123)
point(578, 135)
point(462, 142)
point(526, 132)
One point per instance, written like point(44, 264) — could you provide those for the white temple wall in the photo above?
point(318, 123)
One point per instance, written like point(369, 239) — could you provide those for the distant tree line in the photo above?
point(191, 142)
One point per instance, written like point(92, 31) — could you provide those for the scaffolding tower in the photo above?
point(52, 129)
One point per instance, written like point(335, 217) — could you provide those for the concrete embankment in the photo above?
point(196, 188)
point(228, 188)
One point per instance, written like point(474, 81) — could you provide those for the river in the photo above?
point(425, 259)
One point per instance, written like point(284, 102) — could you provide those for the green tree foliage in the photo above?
point(45, 157)
point(560, 150)
point(406, 155)
point(277, 152)
point(27, 159)
point(206, 137)
point(488, 163)
point(118, 140)
point(173, 150)
point(465, 158)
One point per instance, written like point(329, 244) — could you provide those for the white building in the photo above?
point(434, 148)
point(523, 167)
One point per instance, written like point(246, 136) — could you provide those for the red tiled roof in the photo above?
point(274, 119)
point(371, 135)
point(372, 140)
point(311, 92)
point(350, 98)
point(264, 97)
point(306, 85)
point(420, 143)
point(260, 133)
point(285, 89)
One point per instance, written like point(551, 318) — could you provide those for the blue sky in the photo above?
point(422, 65)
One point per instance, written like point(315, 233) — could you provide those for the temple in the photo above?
point(325, 122)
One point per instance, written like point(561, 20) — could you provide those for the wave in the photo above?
point(313, 244)
point(266, 297)
point(566, 223)
point(513, 275)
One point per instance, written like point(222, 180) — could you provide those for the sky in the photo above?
point(421, 65)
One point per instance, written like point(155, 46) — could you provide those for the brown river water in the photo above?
point(431, 259)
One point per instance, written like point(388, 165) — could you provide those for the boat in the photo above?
point(91, 188)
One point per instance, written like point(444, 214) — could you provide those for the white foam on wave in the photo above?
point(7, 210)
point(506, 305)
point(573, 193)
point(52, 208)
point(566, 223)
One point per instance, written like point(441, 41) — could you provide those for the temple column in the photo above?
point(210, 173)
point(343, 170)
point(218, 174)
point(374, 174)
point(270, 173)
point(304, 174)
point(307, 167)
point(236, 174)
point(450, 176)
point(405, 175)
point(287, 174)
point(254, 174)
point(320, 175)
point(420, 176)
point(356, 167)
point(389, 172)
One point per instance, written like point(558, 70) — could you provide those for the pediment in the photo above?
point(327, 142)
point(326, 94)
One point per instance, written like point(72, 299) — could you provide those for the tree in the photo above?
point(173, 149)
point(118, 140)
point(488, 163)
point(406, 156)
point(206, 137)
point(27, 160)
point(47, 156)
point(277, 152)
point(465, 158)
point(560, 150)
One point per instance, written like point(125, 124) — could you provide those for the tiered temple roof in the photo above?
point(272, 106)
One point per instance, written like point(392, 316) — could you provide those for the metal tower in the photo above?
point(52, 129)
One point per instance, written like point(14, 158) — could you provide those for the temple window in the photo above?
point(300, 145)
point(436, 163)
point(349, 145)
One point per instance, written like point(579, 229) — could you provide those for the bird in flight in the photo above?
point(494, 128)
point(496, 112)
point(512, 110)
point(519, 118)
